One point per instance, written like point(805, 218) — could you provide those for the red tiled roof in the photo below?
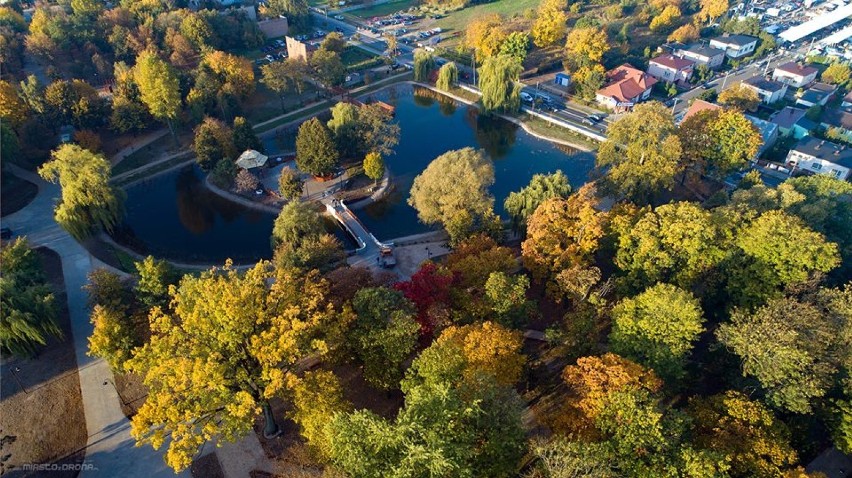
point(698, 106)
point(797, 69)
point(673, 62)
point(626, 83)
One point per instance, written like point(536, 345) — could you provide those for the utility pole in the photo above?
point(674, 104)
point(725, 81)
point(473, 57)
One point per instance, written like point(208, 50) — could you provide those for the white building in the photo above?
point(769, 91)
point(821, 157)
point(703, 55)
point(671, 69)
point(735, 46)
point(795, 74)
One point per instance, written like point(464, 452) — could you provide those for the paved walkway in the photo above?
point(110, 450)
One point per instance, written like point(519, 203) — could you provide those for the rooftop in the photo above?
point(825, 150)
point(797, 69)
point(840, 118)
point(738, 40)
point(673, 62)
point(698, 106)
point(626, 83)
point(763, 84)
point(817, 92)
point(767, 129)
point(704, 50)
point(788, 117)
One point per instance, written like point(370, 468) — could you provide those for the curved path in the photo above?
point(110, 450)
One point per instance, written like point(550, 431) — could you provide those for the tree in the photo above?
point(498, 81)
point(297, 10)
point(740, 97)
point(561, 458)
point(392, 43)
point(429, 290)
point(713, 9)
point(285, 76)
point(586, 45)
point(685, 33)
point(27, 308)
point(448, 76)
point(485, 34)
point(246, 182)
point(244, 137)
point(159, 88)
point(666, 19)
point(290, 184)
point(657, 329)
point(155, 277)
point(642, 153)
point(588, 79)
point(793, 348)
point(453, 191)
point(335, 42)
point(384, 334)
point(754, 441)
point(12, 107)
point(374, 166)
point(376, 130)
point(563, 233)
point(89, 203)
point(522, 204)
point(737, 140)
point(328, 67)
point(322, 252)
point(678, 243)
point(837, 74)
point(549, 25)
point(240, 337)
point(424, 64)
point(315, 150)
point(295, 222)
point(213, 142)
point(317, 397)
point(507, 297)
point(516, 45)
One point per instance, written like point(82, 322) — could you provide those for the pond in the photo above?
point(174, 216)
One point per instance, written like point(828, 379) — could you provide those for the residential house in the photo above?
point(819, 156)
point(769, 91)
point(696, 107)
point(671, 69)
point(817, 94)
point(768, 132)
point(703, 55)
point(795, 74)
point(793, 122)
point(847, 100)
point(625, 86)
point(735, 46)
point(839, 122)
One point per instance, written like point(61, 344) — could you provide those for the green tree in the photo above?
point(290, 184)
point(344, 125)
point(213, 142)
point(317, 397)
point(159, 88)
point(285, 76)
point(322, 252)
point(453, 191)
point(315, 150)
point(549, 25)
point(424, 64)
point(27, 309)
point(295, 222)
point(374, 166)
point(89, 203)
point(657, 329)
point(448, 76)
point(328, 67)
point(793, 348)
point(498, 81)
point(244, 137)
point(522, 204)
point(507, 296)
point(384, 334)
point(296, 11)
point(642, 153)
point(240, 336)
point(335, 42)
point(737, 142)
point(516, 45)
point(155, 277)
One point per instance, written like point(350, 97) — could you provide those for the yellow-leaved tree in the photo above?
point(229, 345)
point(549, 26)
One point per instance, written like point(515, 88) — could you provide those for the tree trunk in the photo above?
point(270, 427)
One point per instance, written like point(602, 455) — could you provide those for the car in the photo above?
point(588, 122)
point(595, 118)
point(526, 97)
point(339, 17)
point(270, 58)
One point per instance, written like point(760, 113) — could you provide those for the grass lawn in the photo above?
point(356, 58)
point(16, 193)
point(457, 21)
point(383, 9)
point(551, 130)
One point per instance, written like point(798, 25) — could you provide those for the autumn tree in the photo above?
point(657, 329)
point(560, 457)
point(549, 25)
point(563, 233)
point(642, 152)
point(374, 166)
point(498, 81)
point(740, 97)
point(285, 76)
point(837, 74)
point(424, 64)
point(240, 337)
point(588, 79)
point(315, 150)
point(429, 290)
point(212, 143)
point(713, 9)
point(221, 82)
point(245, 182)
point(472, 262)
point(793, 348)
point(159, 88)
point(485, 34)
point(88, 203)
point(685, 33)
point(453, 191)
point(666, 19)
point(585, 46)
point(522, 204)
point(290, 184)
point(448, 76)
point(316, 396)
point(754, 441)
point(384, 334)
point(28, 311)
point(678, 243)
point(12, 108)
point(334, 41)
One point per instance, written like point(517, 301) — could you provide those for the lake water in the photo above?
point(174, 216)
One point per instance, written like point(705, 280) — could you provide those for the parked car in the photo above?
point(595, 118)
point(526, 97)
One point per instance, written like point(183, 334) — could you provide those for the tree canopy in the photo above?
point(315, 150)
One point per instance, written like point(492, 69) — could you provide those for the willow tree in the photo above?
point(159, 88)
point(424, 63)
point(498, 81)
point(240, 337)
point(448, 76)
point(89, 203)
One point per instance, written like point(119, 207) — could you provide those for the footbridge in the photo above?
point(368, 245)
